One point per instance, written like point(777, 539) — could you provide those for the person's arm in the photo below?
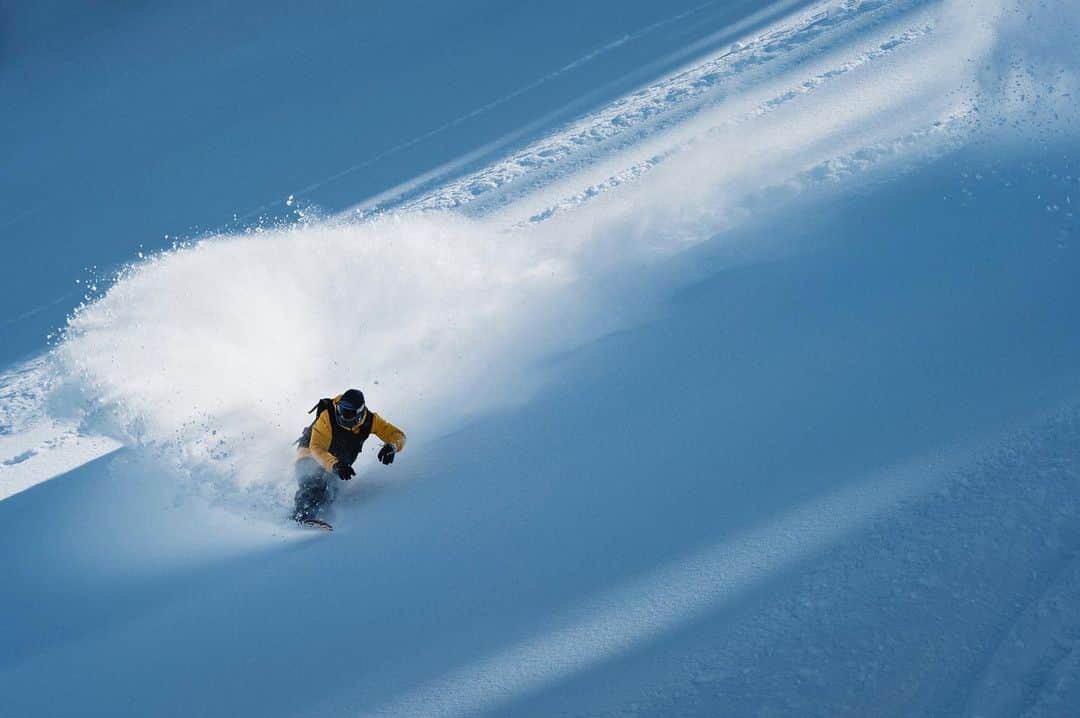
point(320, 442)
point(389, 433)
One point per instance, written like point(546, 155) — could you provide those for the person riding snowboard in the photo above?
point(331, 444)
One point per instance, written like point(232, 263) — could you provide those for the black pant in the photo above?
point(315, 492)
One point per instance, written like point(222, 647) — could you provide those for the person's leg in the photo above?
point(312, 494)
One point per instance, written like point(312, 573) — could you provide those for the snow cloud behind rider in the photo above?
point(332, 443)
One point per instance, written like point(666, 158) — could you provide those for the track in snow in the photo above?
point(779, 58)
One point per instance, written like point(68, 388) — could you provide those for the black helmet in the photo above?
point(350, 408)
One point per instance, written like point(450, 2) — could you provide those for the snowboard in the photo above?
point(317, 523)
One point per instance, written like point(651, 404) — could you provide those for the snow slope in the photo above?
point(748, 391)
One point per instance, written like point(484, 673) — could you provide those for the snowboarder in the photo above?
point(330, 445)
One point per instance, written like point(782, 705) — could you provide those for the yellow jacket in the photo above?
point(322, 433)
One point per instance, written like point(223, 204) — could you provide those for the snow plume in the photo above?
point(212, 353)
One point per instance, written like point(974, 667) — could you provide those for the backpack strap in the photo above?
point(305, 436)
point(323, 404)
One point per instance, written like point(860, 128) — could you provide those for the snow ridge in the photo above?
point(673, 101)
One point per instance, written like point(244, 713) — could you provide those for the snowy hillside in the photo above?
point(736, 344)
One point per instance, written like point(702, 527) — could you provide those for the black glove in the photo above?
point(344, 471)
point(386, 454)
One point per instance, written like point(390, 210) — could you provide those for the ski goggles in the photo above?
point(348, 415)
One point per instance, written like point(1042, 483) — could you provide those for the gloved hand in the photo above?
point(344, 471)
point(386, 454)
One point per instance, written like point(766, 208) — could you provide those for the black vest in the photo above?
point(345, 445)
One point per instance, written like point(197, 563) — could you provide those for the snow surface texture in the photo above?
point(749, 390)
